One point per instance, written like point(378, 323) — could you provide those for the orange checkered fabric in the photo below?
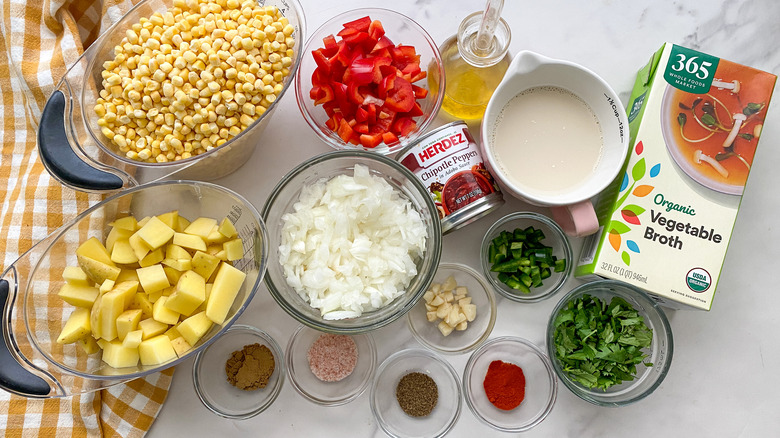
point(39, 41)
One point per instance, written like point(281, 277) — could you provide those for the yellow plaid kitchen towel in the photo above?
point(39, 40)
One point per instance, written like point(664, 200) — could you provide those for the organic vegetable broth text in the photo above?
point(695, 123)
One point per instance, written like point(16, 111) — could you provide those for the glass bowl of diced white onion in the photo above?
point(356, 238)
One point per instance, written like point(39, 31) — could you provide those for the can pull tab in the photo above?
point(60, 159)
point(13, 377)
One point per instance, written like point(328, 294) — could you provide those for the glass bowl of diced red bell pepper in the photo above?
point(363, 81)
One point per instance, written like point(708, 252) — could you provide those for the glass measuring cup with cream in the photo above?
point(555, 134)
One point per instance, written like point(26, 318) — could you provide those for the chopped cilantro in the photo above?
point(598, 344)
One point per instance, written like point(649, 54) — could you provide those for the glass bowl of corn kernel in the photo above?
point(175, 86)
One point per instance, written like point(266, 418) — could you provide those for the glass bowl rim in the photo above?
point(336, 402)
point(435, 235)
point(415, 351)
point(300, 96)
point(276, 390)
point(544, 358)
point(591, 395)
point(493, 311)
point(499, 287)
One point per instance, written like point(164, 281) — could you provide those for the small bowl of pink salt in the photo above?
point(330, 369)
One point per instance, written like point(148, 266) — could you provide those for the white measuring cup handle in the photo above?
point(577, 220)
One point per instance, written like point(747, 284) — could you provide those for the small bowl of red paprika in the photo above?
point(509, 384)
point(363, 81)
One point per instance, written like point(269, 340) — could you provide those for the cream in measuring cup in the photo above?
point(555, 135)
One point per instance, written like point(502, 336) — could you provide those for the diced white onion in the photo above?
point(350, 244)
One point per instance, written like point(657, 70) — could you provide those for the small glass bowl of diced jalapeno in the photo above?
point(526, 257)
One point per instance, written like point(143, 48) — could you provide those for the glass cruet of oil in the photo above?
point(475, 60)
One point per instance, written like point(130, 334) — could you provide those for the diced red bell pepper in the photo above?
point(324, 95)
point(419, 92)
point(364, 71)
point(344, 130)
point(361, 24)
point(416, 111)
point(360, 127)
point(376, 30)
point(383, 43)
point(400, 97)
point(403, 126)
point(370, 140)
point(331, 47)
point(361, 115)
point(371, 113)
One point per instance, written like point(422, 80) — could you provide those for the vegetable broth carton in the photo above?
point(695, 121)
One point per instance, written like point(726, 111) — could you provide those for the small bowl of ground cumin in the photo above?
point(416, 393)
point(241, 374)
point(330, 369)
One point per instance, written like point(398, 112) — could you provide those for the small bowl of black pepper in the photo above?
point(416, 393)
point(241, 374)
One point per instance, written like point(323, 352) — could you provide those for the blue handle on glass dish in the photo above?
point(60, 159)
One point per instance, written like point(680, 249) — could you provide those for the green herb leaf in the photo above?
point(708, 120)
point(746, 136)
point(600, 344)
point(752, 108)
point(681, 119)
point(684, 106)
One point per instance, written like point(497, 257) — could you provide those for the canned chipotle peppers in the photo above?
point(448, 162)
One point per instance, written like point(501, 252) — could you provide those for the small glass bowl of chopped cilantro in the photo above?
point(526, 257)
point(610, 343)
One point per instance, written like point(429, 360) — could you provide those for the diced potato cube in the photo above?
point(133, 339)
point(204, 264)
point(93, 249)
point(79, 296)
point(174, 251)
point(201, 227)
point(155, 233)
point(98, 271)
point(95, 318)
point(154, 296)
point(88, 344)
point(156, 350)
point(430, 308)
point(215, 237)
point(470, 311)
point(178, 264)
point(428, 296)
point(234, 249)
point(227, 284)
point(127, 322)
point(107, 286)
point(445, 328)
point(127, 223)
point(172, 333)
point(431, 316)
point(152, 278)
point(77, 327)
point(447, 297)
point(437, 301)
point(462, 326)
point(142, 222)
point(141, 302)
point(462, 290)
point(168, 291)
point(194, 327)
point(123, 253)
point(227, 229)
point(128, 290)
point(74, 276)
point(153, 258)
point(222, 255)
point(171, 219)
point(127, 275)
point(140, 248)
point(183, 224)
point(172, 274)
point(180, 346)
point(449, 284)
point(189, 241)
point(111, 306)
point(164, 314)
point(118, 356)
point(463, 301)
point(436, 288)
point(189, 294)
point(151, 327)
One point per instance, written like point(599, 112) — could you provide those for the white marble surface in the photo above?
point(723, 380)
